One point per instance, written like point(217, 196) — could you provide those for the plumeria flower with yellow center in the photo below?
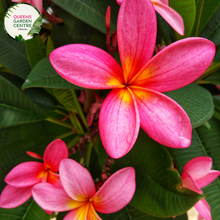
point(136, 99)
point(79, 193)
point(171, 16)
point(24, 176)
point(197, 174)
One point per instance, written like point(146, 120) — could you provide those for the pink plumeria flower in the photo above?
point(136, 99)
point(79, 193)
point(36, 3)
point(171, 16)
point(24, 176)
point(197, 174)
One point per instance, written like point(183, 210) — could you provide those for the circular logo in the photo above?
point(22, 21)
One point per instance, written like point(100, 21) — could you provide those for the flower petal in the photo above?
point(87, 66)
point(177, 65)
point(25, 174)
point(38, 4)
point(119, 2)
point(163, 119)
point(53, 198)
point(54, 179)
point(206, 180)
point(76, 180)
point(204, 209)
point(34, 155)
point(198, 167)
point(171, 16)
point(136, 32)
point(119, 122)
point(12, 197)
point(54, 153)
point(116, 192)
point(188, 182)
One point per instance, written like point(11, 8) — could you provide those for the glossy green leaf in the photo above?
point(196, 101)
point(44, 75)
point(205, 10)
point(11, 95)
point(217, 102)
point(187, 10)
point(212, 30)
point(50, 46)
point(35, 50)
point(213, 78)
point(36, 27)
point(157, 182)
point(13, 55)
point(131, 213)
point(28, 211)
point(217, 56)
point(205, 142)
point(91, 12)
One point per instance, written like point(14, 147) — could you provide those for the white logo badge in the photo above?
point(22, 21)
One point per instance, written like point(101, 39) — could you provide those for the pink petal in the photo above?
point(206, 180)
point(53, 198)
point(204, 209)
point(166, 2)
point(136, 31)
point(54, 153)
point(87, 66)
point(198, 167)
point(12, 197)
point(116, 192)
point(171, 16)
point(163, 119)
point(188, 182)
point(119, 2)
point(38, 4)
point(25, 174)
point(34, 155)
point(119, 122)
point(54, 179)
point(177, 65)
point(76, 180)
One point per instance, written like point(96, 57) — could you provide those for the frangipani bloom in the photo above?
point(36, 3)
point(79, 194)
point(24, 176)
point(171, 16)
point(136, 99)
point(197, 174)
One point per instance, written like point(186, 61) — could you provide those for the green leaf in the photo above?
point(213, 78)
point(28, 211)
point(131, 213)
point(19, 38)
point(217, 56)
point(205, 142)
point(50, 46)
point(206, 8)
point(2, 11)
point(217, 102)
point(44, 75)
point(187, 10)
point(91, 12)
point(212, 29)
point(35, 50)
point(13, 55)
point(196, 101)
point(36, 27)
point(157, 183)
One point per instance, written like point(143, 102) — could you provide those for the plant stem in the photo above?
point(55, 121)
point(199, 18)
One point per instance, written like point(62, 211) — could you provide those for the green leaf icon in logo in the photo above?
point(35, 29)
point(19, 38)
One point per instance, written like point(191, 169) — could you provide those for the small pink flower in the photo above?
point(36, 3)
point(136, 99)
point(79, 194)
point(197, 174)
point(171, 16)
point(24, 176)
